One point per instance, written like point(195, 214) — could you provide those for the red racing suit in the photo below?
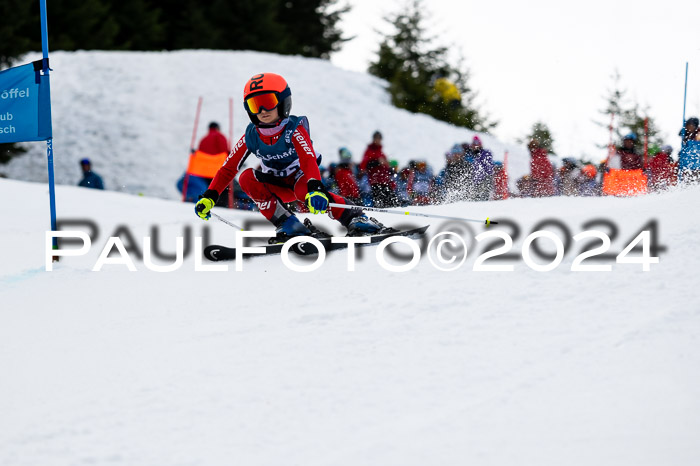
point(268, 186)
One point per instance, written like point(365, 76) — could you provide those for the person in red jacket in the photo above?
point(345, 178)
point(629, 158)
point(379, 173)
point(214, 142)
point(541, 171)
point(288, 165)
point(662, 170)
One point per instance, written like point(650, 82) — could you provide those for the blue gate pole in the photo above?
point(685, 91)
point(49, 142)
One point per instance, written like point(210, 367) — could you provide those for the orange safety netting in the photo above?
point(205, 165)
point(624, 183)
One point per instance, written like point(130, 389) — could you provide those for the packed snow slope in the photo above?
point(269, 366)
point(133, 114)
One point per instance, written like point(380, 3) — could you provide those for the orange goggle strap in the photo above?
point(257, 103)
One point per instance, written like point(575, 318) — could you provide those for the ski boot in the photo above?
point(367, 226)
point(288, 229)
point(315, 232)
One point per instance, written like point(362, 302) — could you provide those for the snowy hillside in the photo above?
point(269, 366)
point(132, 113)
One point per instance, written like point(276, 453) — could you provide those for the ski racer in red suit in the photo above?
point(288, 165)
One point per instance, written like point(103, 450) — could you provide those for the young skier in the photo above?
point(288, 165)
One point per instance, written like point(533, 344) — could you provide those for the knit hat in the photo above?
point(345, 154)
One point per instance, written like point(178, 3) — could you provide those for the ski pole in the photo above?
point(227, 222)
point(415, 214)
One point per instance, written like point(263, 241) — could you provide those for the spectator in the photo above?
point(624, 175)
point(90, 178)
point(394, 165)
point(467, 148)
point(345, 177)
point(602, 167)
point(629, 158)
point(453, 182)
point(689, 155)
point(588, 184)
point(196, 185)
point(500, 181)
point(448, 92)
point(214, 142)
point(328, 176)
point(482, 171)
point(210, 155)
point(541, 181)
point(525, 186)
point(661, 170)
point(402, 187)
point(376, 165)
point(420, 183)
point(365, 188)
point(569, 177)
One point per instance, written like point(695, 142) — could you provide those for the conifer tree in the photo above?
point(412, 64)
point(541, 133)
point(628, 117)
point(16, 19)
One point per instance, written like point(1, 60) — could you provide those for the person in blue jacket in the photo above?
point(689, 155)
point(90, 178)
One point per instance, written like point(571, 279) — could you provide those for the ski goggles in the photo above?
point(257, 103)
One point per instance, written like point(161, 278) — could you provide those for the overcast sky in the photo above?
point(553, 60)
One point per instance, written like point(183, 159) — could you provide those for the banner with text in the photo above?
point(25, 104)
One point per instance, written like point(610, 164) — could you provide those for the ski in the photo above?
point(218, 253)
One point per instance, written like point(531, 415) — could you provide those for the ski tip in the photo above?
point(218, 253)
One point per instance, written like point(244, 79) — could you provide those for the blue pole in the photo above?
point(685, 91)
point(49, 142)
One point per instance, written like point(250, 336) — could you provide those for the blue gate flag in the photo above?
point(25, 104)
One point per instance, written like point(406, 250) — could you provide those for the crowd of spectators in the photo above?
point(470, 173)
point(628, 170)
